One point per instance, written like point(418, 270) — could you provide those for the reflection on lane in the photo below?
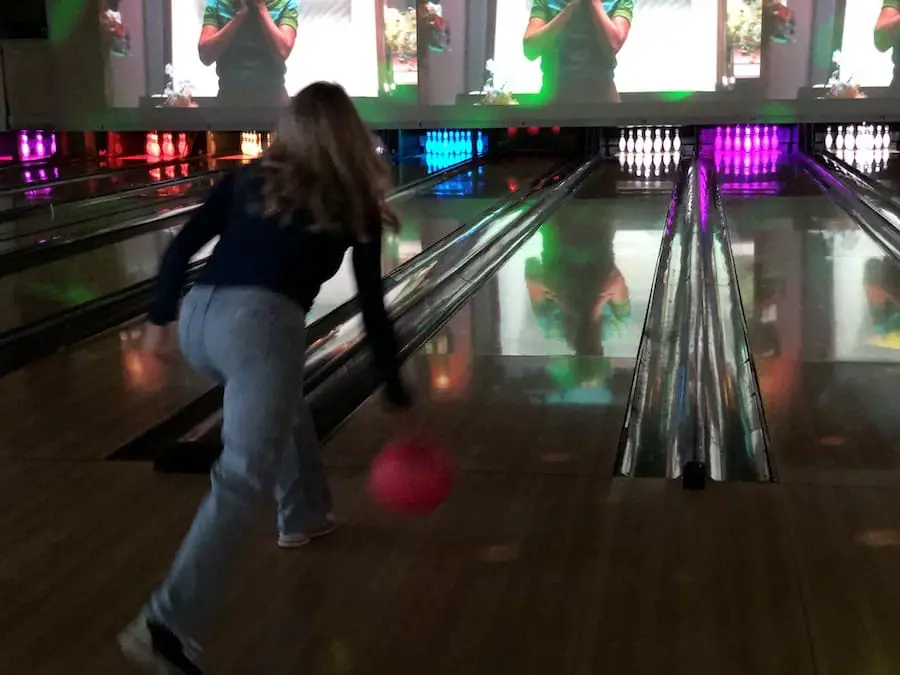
point(102, 184)
point(869, 330)
point(573, 298)
point(823, 311)
point(542, 355)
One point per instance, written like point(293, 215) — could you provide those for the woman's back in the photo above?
point(293, 258)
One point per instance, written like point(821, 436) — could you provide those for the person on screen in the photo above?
point(887, 36)
point(578, 295)
point(882, 283)
point(249, 41)
point(284, 225)
point(577, 42)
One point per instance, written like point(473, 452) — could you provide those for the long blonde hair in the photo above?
point(323, 160)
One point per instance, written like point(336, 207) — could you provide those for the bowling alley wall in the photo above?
point(135, 64)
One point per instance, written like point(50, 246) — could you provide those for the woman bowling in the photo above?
point(285, 223)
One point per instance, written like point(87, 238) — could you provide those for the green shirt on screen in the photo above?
point(583, 57)
point(249, 65)
point(895, 53)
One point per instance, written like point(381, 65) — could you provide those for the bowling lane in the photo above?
point(39, 292)
point(823, 309)
point(525, 379)
point(21, 174)
point(99, 185)
point(880, 165)
point(90, 400)
point(527, 395)
point(80, 219)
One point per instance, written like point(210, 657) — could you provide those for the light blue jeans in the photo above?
point(253, 342)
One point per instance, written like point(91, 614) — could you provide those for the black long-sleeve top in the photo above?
point(293, 260)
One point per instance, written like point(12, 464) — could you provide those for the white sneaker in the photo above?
point(299, 539)
point(155, 649)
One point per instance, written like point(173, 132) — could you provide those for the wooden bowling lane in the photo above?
point(37, 293)
point(87, 401)
point(518, 572)
point(823, 308)
point(89, 218)
point(526, 346)
point(525, 573)
point(103, 183)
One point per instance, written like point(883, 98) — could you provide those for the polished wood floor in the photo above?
point(534, 573)
point(539, 564)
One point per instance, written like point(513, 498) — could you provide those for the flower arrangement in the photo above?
point(115, 35)
point(179, 94)
point(745, 27)
point(400, 31)
point(493, 93)
point(841, 84)
point(434, 27)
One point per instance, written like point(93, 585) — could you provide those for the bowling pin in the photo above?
point(622, 142)
point(630, 142)
point(168, 149)
point(676, 143)
point(657, 142)
point(667, 142)
point(829, 139)
point(639, 142)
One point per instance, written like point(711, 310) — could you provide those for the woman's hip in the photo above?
point(234, 331)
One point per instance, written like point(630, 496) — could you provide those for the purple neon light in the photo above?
point(744, 137)
point(40, 175)
point(36, 145)
point(703, 181)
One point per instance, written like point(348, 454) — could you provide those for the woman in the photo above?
point(284, 224)
point(887, 36)
point(250, 42)
point(577, 42)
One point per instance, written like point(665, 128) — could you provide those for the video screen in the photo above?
point(540, 52)
point(256, 53)
point(250, 53)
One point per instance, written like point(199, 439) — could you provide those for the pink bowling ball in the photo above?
point(411, 477)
